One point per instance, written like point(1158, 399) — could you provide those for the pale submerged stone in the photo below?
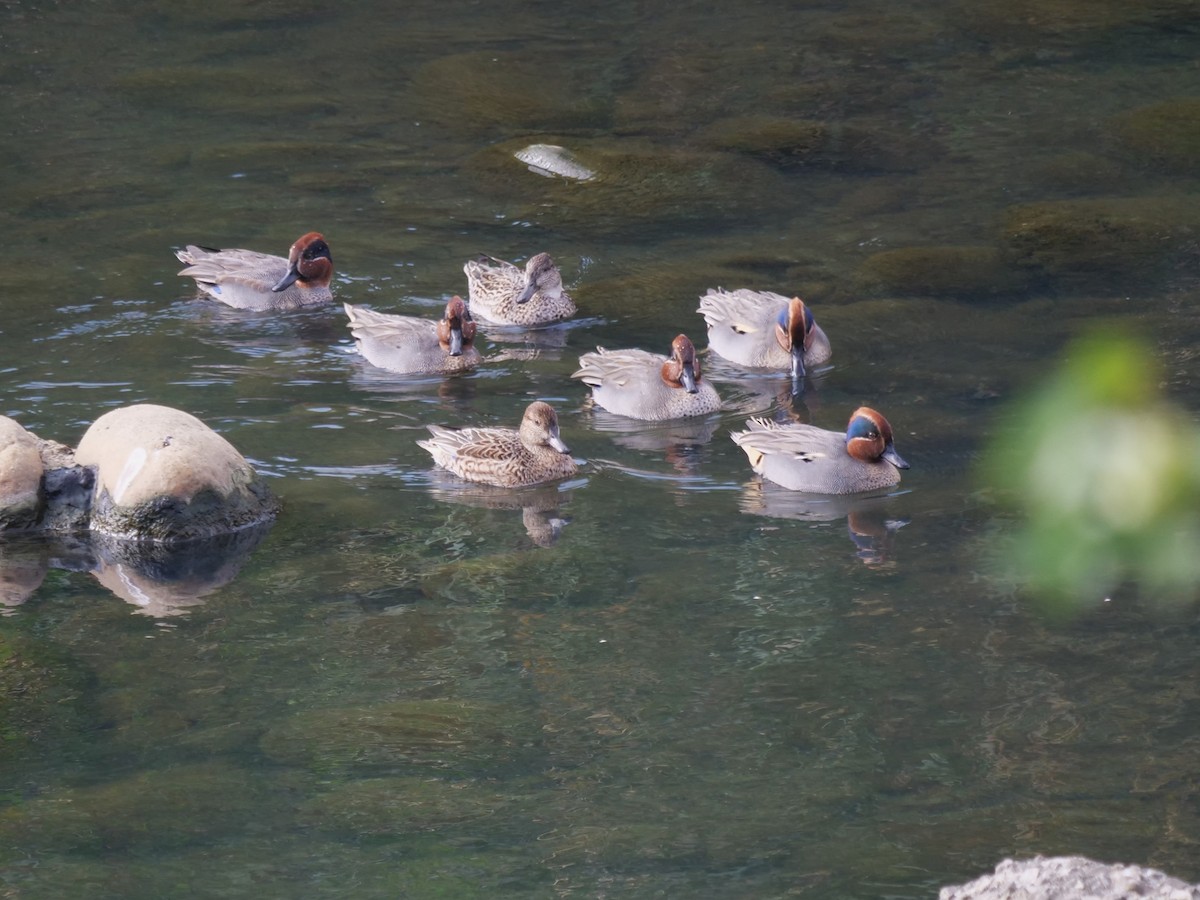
point(551, 159)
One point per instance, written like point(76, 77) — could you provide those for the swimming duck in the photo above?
point(247, 279)
point(500, 292)
point(807, 458)
point(407, 344)
point(507, 457)
point(643, 385)
point(764, 330)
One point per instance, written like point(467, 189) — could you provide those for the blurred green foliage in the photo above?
point(1106, 476)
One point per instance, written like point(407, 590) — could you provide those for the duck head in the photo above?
point(794, 330)
point(541, 274)
point(682, 370)
point(869, 438)
point(539, 427)
point(456, 330)
point(309, 261)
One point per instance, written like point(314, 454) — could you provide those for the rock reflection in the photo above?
point(23, 567)
point(540, 505)
point(870, 528)
point(159, 580)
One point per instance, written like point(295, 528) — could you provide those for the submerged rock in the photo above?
point(1099, 243)
point(151, 810)
point(1048, 877)
point(386, 807)
point(1166, 135)
point(480, 91)
point(963, 272)
point(433, 735)
point(162, 474)
point(1045, 23)
point(790, 142)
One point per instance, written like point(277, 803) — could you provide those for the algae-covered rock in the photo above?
point(282, 862)
point(1077, 172)
point(20, 476)
point(527, 578)
point(394, 639)
point(158, 809)
point(393, 806)
point(45, 702)
point(162, 474)
point(226, 17)
point(1037, 20)
point(1164, 134)
point(435, 735)
point(225, 89)
point(71, 199)
point(802, 142)
point(970, 271)
point(483, 90)
point(617, 844)
point(289, 156)
point(1098, 242)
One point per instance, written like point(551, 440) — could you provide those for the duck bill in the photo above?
point(528, 291)
point(456, 342)
point(557, 443)
point(689, 379)
point(288, 279)
point(890, 454)
point(798, 369)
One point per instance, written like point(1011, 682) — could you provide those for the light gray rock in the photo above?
point(1075, 877)
point(20, 476)
point(163, 475)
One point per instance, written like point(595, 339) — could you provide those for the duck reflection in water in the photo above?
point(452, 391)
point(540, 505)
point(680, 441)
point(871, 529)
point(765, 395)
point(159, 580)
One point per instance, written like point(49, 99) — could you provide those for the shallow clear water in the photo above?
point(658, 678)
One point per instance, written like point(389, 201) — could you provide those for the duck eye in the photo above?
point(862, 428)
